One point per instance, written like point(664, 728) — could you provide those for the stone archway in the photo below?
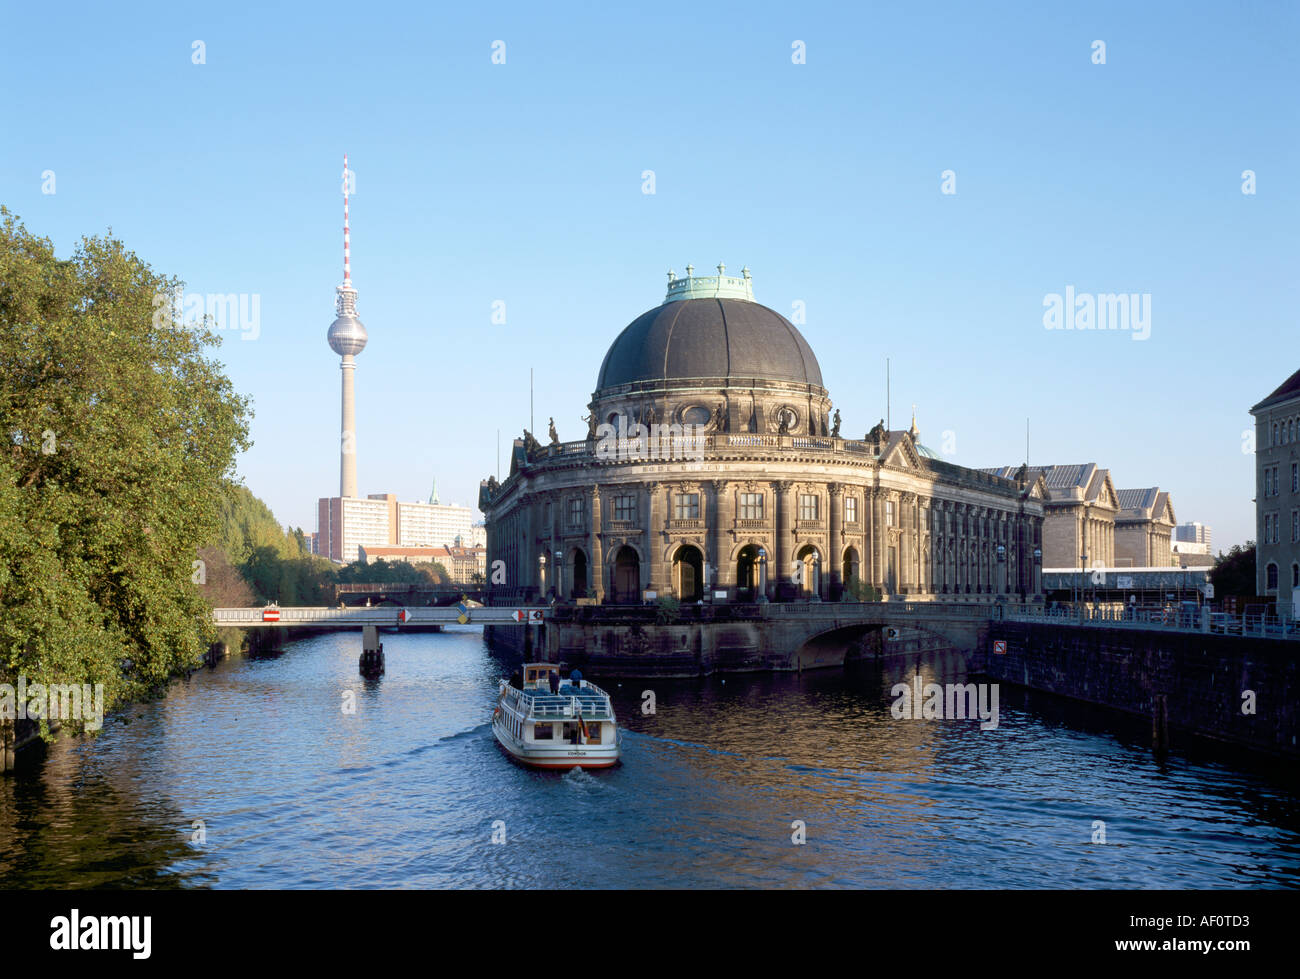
point(688, 573)
point(625, 577)
point(851, 569)
point(747, 573)
point(577, 573)
point(809, 559)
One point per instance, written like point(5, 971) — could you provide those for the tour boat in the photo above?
point(572, 727)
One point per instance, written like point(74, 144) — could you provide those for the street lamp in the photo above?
point(817, 576)
point(559, 574)
point(1002, 568)
point(541, 575)
point(762, 575)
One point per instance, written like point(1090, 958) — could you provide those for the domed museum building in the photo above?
point(714, 469)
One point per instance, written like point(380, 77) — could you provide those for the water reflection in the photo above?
point(294, 791)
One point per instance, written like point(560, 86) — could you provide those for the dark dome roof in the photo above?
point(709, 338)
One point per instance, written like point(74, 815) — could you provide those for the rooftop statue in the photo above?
point(835, 430)
point(555, 438)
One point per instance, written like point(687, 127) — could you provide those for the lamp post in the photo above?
point(559, 574)
point(541, 575)
point(817, 576)
point(1002, 569)
point(762, 575)
point(1035, 570)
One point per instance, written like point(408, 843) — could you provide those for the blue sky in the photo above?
point(521, 182)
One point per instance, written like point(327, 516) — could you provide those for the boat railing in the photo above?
point(569, 707)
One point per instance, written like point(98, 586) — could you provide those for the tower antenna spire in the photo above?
point(347, 236)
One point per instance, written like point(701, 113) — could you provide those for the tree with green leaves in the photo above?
point(1234, 573)
point(121, 434)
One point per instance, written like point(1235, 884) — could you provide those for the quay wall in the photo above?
point(1196, 683)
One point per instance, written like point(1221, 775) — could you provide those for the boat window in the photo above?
point(543, 732)
point(593, 732)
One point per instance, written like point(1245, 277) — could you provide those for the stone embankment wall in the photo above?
point(1229, 688)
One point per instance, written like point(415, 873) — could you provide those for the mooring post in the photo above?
point(372, 651)
point(1160, 723)
point(7, 739)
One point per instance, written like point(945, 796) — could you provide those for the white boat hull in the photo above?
point(557, 755)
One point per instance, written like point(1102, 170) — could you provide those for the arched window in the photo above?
point(1270, 577)
point(1274, 442)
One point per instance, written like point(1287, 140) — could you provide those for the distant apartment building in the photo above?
point(345, 524)
point(1277, 494)
point(1193, 532)
point(433, 524)
point(1144, 529)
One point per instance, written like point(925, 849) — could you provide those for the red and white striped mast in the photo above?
point(347, 338)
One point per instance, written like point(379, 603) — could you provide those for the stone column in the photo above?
point(836, 547)
point(778, 569)
point(719, 524)
point(879, 540)
point(653, 577)
point(597, 569)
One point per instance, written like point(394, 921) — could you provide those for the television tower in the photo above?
point(347, 338)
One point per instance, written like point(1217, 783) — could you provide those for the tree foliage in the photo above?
point(121, 434)
point(1234, 573)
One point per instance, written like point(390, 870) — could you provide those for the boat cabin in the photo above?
point(537, 676)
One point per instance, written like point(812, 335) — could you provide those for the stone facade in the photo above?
point(739, 487)
point(1144, 529)
point(1277, 495)
point(1079, 515)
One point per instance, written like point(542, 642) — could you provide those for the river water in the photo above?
point(252, 775)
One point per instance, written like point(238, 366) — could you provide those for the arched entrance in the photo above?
point(626, 577)
point(747, 573)
point(852, 568)
point(688, 573)
point(810, 572)
point(578, 574)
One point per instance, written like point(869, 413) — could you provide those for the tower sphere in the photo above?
point(346, 334)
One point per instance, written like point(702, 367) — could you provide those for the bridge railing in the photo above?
point(1171, 620)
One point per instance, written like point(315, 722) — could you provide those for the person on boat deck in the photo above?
point(554, 678)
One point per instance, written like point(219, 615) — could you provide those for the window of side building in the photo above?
point(889, 513)
point(686, 506)
point(751, 506)
point(851, 509)
point(1270, 578)
point(575, 512)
